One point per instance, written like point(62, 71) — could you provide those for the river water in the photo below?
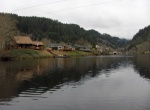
point(76, 83)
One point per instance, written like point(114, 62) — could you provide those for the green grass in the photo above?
point(24, 54)
point(77, 53)
point(20, 54)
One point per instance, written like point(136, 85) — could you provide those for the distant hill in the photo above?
point(141, 41)
point(48, 30)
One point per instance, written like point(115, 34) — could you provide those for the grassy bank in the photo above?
point(22, 54)
point(77, 53)
point(71, 53)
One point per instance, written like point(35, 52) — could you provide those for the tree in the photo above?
point(47, 28)
point(7, 30)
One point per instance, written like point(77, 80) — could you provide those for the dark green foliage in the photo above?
point(142, 36)
point(113, 42)
point(39, 28)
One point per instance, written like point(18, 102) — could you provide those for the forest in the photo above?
point(141, 41)
point(142, 36)
point(39, 28)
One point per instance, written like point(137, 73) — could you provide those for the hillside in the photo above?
point(141, 41)
point(49, 30)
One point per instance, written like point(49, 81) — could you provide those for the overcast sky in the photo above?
point(121, 18)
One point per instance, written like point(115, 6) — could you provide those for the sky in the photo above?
point(120, 18)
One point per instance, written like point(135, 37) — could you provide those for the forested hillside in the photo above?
point(141, 41)
point(39, 28)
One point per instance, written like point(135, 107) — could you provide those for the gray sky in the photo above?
point(121, 18)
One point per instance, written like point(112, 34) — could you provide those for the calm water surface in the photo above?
point(81, 83)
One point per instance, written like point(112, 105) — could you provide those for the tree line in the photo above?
point(140, 37)
point(40, 27)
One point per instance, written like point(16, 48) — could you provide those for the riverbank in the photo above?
point(24, 54)
point(71, 53)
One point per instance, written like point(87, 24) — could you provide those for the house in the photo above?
point(100, 49)
point(37, 45)
point(22, 42)
point(82, 48)
point(26, 42)
point(68, 48)
point(62, 47)
point(55, 46)
point(85, 49)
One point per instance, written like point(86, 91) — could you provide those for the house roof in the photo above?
point(37, 43)
point(23, 40)
point(26, 40)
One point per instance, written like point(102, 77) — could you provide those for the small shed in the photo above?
point(68, 48)
point(55, 46)
point(37, 45)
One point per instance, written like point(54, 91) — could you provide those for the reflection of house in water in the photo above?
point(14, 74)
point(40, 76)
point(60, 63)
point(8, 86)
point(24, 75)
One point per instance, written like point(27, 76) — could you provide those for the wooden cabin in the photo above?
point(26, 43)
point(68, 48)
point(23, 42)
point(37, 45)
point(61, 47)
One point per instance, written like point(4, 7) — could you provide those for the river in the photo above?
point(76, 83)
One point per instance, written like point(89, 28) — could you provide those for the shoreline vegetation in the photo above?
point(25, 54)
point(19, 34)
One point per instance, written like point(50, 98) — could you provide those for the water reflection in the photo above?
point(41, 79)
point(142, 65)
point(38, 76)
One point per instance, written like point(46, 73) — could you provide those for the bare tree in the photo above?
point(7, 30)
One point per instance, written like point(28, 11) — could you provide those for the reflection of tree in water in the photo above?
point(11, 75)
point(142, 65)
point(43, 75)
point(75, 71)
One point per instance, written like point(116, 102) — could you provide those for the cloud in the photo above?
point(122, 18)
